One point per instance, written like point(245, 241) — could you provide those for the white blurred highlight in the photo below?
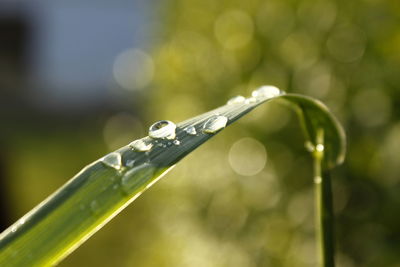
point(247, 156)
point(133, 69)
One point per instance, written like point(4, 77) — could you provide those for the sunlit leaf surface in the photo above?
point(101, 190)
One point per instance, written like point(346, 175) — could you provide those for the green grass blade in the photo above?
point(315, 116)
point(101, 190)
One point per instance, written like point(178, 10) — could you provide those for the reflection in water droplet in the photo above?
point(162, 129)
point(236, 100)
point(214, 124)
point(266, 91)
point(177, 142)
point(190, 130)
point(134, 178)
point(141, 145)
point(112, 160)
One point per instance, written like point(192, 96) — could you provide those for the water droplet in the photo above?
point(250, 100)
point(319, 148)
point(112, 160)
point(266, 91)
point(214, 124)
point(162, 129)
point(14, 229)
point(190, 130)
point(177, 142)
point(136, 177)
point(318, 179)
point(309, 146)
point(141, 145)
point(236, 100)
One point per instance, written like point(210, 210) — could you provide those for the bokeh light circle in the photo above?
point(234, 29)
point(247, 156)
point(133, 69)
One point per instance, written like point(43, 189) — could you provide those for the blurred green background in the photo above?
point(81, 78)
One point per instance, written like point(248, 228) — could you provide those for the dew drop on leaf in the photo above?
point(309, 146)
point(112, 160)
point(141, 145)
point(162, 129)
point(214, 124)
point(319, 148)
point(266, 91)
point(250, 100)
point(190, 130)
point(236, 100)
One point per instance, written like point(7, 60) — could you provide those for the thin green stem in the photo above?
point(324, 210)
